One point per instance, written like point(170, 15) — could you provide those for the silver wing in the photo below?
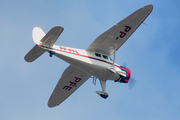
point(119, 33)
point(71, 79)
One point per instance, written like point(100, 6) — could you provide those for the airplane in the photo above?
point(94, 61)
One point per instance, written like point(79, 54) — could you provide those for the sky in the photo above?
point(152, 54)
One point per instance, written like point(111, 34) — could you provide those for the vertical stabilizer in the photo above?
point(37, 34)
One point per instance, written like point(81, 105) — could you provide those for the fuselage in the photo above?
point(93, 63)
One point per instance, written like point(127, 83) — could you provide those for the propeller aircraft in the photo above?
point(93, 61)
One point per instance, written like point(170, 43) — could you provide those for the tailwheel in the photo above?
point(102, 94)
point(51, 53)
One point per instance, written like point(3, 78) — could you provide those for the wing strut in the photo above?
point(103, 93)
point(115, 48)
point(112, 68)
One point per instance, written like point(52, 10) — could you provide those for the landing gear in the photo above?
point(51, 53)
point(102, 94)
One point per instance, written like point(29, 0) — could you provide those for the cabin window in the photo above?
point(98, 55)
point(105, 57)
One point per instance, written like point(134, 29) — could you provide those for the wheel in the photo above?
point(105, 95)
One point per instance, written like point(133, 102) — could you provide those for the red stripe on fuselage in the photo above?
point(82, 56)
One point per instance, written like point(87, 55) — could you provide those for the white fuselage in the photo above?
point(93, 63)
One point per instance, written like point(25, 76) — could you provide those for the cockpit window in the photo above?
point(110, 58)
point(98, 55)
point(105, 57)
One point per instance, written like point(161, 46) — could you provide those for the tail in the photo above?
point(41, 38)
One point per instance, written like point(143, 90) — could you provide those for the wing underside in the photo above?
point(71, 79)
point(34, 53)
point(119, 33)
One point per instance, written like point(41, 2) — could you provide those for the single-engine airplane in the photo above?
point(93, 61)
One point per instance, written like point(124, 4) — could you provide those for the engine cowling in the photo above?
point(124, 76)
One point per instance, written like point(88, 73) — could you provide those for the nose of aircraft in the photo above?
point(128, 73)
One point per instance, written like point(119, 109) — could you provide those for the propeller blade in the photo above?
point(124, 65)
point(132, 82)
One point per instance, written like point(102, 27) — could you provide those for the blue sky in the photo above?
point(152, 54)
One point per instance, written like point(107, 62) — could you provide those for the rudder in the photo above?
point(37, 34)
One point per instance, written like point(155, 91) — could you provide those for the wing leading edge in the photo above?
point(71, 79)
point(119, 33)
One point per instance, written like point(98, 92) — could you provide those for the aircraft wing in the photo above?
point(119, 33)
point(71, 79)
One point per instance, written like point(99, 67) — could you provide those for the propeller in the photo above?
point(124, 65)
point(131, 83)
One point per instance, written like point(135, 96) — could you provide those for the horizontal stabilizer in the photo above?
point(34, 53)
point(41, 38)
point(51, 37)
